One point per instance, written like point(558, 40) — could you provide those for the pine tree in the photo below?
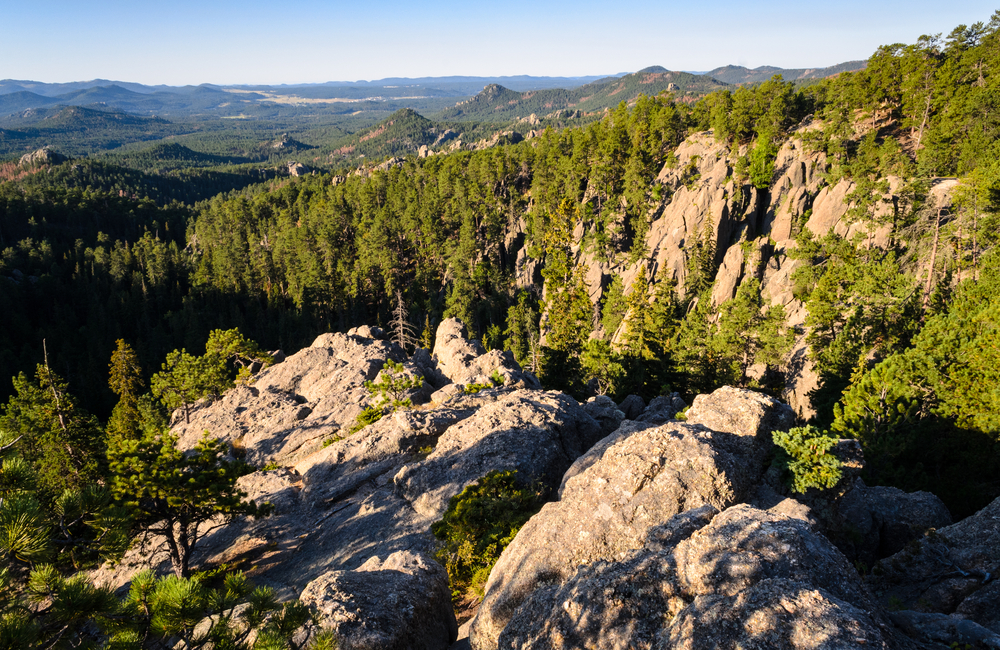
point(59, 439)
point(174, 493)
point(748, 334)
point(126, 382)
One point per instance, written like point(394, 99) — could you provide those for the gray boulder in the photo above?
point(662, 409)
point(606, 604)
point(539, 434)
point(952, 570)
point(454, 350)
point(883, 520)
point(748, 414)
point(742, 412)
point(464, 361)
point(952, 631)
point(627, 485)
point(604, 410)
point(740, 579)
point(632, 406)
point(777, 614)
point(403, 603)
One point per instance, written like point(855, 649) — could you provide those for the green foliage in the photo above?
point(184, 378)
point(603, 366)
point(368, 415)
point(188, 610)
point(157, 613)
point(174, 493)
point(701, 264)
point(805, 455)
point(59, 439)
point(749, 334)
point(126, 382)
point(522, 332)
point(390, 391)
point(472, 389)
point(392, 385)
point(613, 307)
point(478, 524)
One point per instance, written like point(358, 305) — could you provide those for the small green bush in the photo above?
point(368, 415)
point(472, 389)
point(390, 390)
point(804, 452)
point(478, 525)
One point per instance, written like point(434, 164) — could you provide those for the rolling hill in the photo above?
point(76, 130)
point(735, 74)
point(498, 104)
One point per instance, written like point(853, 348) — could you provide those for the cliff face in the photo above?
point(751, 230)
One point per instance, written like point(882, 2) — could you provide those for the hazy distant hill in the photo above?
point(497, 103)
point(76, 130)
point(735, 74)
point(463, 85)
point(401, 133)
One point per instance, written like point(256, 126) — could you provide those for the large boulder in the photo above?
point(742, 579)
point(751, 415)
point(539, 434)
point(633, 480)
point(952, 570)
point(632, 406)
point(607, 604)
point(295, 406)
point(662, 409)
point(403, 603)
point(605, 412)
point(464, 361)
point(883, 520)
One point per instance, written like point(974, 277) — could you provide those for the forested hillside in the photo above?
point(497, 103)
point(834, 244)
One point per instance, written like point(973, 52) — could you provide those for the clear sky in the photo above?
point(249, 41)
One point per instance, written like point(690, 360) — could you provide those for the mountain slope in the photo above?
point(736, 74)
point(497, 103)
point(77, 130)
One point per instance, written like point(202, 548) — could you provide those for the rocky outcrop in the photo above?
point(742, 579)
point(43, 156)
point(649, 545)
point(952, 571)
point(403, 603)
point(536, 433)
point(630, 482)
point(464, 361)
point(295, 406)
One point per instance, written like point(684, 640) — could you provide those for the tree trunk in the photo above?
point(930, 273)
point(975, 242)
point(923, 122)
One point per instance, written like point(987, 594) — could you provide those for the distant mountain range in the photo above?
point(735, 74)
point(497, 103)
point(86, 116)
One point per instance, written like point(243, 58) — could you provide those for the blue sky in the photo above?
point(228, 42)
